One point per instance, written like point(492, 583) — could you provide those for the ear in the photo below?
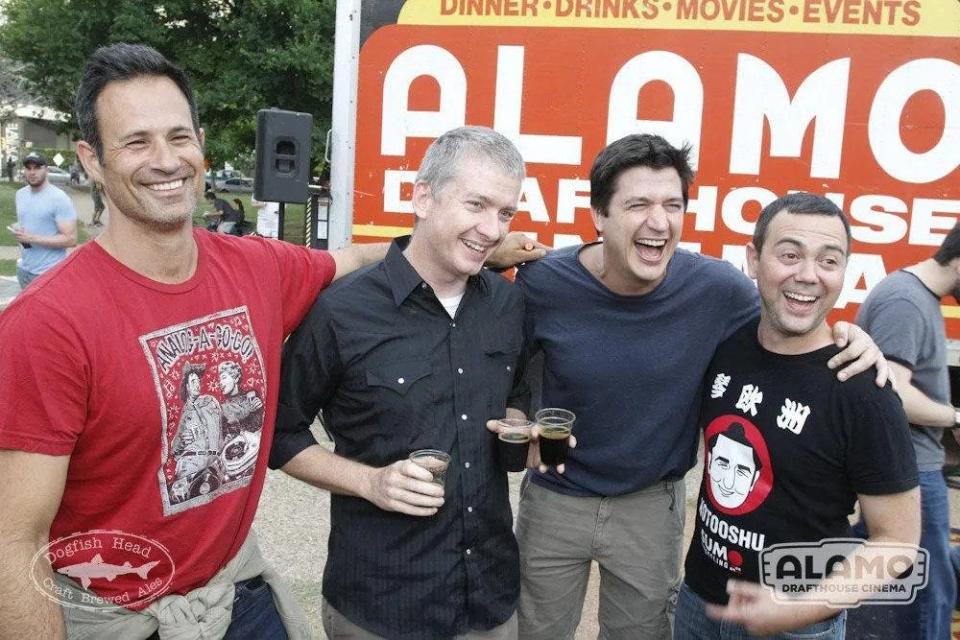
point(422, 199)
point(753, 258)
point(89, 160)
point(202, 136)
point(598, 220)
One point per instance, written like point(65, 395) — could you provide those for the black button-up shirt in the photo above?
point(392, 373)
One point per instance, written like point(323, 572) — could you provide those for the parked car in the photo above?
point(237, 185)
point(216, 179)
point(56, 175)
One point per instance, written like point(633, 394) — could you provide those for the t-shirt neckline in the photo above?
point(181, 287)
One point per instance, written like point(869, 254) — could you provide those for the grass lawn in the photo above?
point(8, 210)
point(8, 267)
point(292, 216)
point(292, 219)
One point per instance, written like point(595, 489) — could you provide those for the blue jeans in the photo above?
point(928, 616)
point(691, 623)
point(255, 615)
point(25, 277)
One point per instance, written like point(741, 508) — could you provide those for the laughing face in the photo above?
point(641, 229)
point(458, 228)
point(799, 274)
point(152, 166)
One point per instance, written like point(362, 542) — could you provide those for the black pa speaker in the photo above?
point(283, 155)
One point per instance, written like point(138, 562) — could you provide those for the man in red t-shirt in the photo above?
point(116, 441)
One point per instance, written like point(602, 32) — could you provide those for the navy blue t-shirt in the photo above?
point(629, 367)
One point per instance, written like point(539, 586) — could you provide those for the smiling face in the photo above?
point(459, 227)
point(799, 274)
point(733, 473)
point(641, 229)
point(152, 166)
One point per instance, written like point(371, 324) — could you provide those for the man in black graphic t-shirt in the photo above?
point(789, 449)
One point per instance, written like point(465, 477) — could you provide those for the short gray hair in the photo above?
point(443, 158)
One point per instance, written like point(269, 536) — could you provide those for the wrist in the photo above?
point(956, 418)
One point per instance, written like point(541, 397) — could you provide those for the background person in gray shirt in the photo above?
point(903, 316)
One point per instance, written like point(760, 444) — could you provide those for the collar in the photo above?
point(404, 279)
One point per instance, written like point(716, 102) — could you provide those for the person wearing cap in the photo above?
point(46, 222)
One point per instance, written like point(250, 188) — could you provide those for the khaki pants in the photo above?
point(636, 539)
point(338, 627)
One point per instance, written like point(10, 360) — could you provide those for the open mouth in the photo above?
point(650, 249)
point(476, 247)
point(166, 186)
point(799, 301)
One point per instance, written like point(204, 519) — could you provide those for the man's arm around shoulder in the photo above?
point(349, 259)
point(31, 486)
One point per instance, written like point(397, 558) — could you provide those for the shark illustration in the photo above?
point(97, 568)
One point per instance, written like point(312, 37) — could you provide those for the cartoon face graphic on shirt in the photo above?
point(733, 466)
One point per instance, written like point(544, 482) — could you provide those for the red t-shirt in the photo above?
point(164, 397)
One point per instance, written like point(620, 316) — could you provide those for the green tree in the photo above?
point(242, 55)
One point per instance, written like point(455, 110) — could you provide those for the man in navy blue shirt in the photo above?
point(627, 328)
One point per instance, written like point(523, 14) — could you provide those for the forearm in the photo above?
point(59, 241)
point(326, 470)
point(920, 409)
point(26, 612)
point(351, 258)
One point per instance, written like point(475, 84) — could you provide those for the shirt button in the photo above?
point(460, 371)
point(466, 464)
point(463, 416)
point(453, 324)
point(400, 380)
point(469, 509)
point(469, 551)
point(508, 368)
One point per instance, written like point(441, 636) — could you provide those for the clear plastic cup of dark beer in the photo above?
point(556, 425)
point(513, 441)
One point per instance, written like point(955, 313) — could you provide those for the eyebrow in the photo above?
point(140, 133)
point(473, 195)
point(798, 244)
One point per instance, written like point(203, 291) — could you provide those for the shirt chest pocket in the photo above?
point(403, 395)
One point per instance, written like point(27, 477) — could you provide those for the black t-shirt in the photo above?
point(229, 213)
point(788, 448)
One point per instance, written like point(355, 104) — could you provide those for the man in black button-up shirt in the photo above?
point(417, 351)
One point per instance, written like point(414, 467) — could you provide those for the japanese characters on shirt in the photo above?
point(209, 377)
point(738, 472)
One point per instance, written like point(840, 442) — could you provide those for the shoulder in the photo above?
point(900, 292)
point(58, 193)
point(555, 264)
point(360, 289)
point(716, 270)
point(742, 341)
point(500, 289)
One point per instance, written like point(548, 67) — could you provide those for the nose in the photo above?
point(165, 157)
point(728, 479)
point(657, 220)
point(489, 225)
point(807, 271)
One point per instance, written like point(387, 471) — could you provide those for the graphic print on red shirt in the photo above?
point(209, 376)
